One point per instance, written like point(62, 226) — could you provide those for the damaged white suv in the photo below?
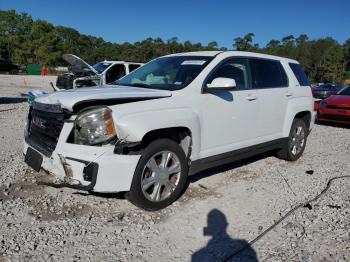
point(175, 116)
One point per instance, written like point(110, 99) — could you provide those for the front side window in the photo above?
point(235, 68)
point(267, 73)
point(168, 73)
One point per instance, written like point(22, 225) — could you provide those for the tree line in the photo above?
point(24, 40)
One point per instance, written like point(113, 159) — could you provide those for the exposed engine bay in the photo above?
point(81, 74)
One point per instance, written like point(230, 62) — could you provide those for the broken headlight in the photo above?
point(94, 127)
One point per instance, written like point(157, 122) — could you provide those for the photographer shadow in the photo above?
point(221, 247)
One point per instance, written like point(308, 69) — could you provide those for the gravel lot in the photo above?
point(220, 212)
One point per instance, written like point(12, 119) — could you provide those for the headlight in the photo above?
point(323, 104)
point(94, 127)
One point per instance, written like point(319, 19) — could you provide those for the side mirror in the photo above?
point(222, 83)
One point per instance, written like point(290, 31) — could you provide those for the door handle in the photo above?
point(288, 94)
point(251, 98)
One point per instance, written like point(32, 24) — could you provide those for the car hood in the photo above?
point(78, 65)
point(107, 94)
point(339, 100)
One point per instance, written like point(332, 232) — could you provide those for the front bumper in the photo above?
point(95, 168)
point(333, 115)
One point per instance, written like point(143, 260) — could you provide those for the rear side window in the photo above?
point(299, 74)
point(267, 74)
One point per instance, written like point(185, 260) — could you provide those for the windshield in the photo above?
point(345, 91)
point(169, 73)
point(101, 66)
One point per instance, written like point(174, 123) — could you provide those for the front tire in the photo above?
point(296, 141)
point(160, 176)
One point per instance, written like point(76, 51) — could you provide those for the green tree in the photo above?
point(14, 31)
point(45, 43)
point(212, 45)
point(243, 43)
point(332, 65)
point(346, 50)
point(23, 41)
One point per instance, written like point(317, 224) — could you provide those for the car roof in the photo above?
point(197, 53)
point(235, 53)
point(120, 62)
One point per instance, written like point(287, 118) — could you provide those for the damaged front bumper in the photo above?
point(92, 168)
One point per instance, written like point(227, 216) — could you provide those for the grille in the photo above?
point(337, 117)
point(338, 107)
point(44, 130)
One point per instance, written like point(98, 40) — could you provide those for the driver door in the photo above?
point(229, 117)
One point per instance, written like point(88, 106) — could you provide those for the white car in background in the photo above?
point(173, 117)
point(84, 75)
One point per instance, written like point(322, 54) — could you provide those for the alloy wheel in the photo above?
point(160, 176)
point(298, 140)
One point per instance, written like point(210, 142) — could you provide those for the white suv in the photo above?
point(175, 116)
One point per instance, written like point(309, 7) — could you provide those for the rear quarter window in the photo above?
point(267, 73)
point(299, 74)
point(132, 67)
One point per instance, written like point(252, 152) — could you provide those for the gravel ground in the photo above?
point(221, 211)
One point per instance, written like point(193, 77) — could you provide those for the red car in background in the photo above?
point(335, 108)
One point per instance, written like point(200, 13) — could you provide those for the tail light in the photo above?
point(316, 104)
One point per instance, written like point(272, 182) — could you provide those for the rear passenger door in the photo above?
point(271, 83)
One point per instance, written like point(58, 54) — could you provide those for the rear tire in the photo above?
point(296, 142)
point(160, 176)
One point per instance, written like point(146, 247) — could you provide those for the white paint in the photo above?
point(68, 98)
point(114, 170)
point(221, 82)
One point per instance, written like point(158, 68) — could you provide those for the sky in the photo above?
point(197, 21)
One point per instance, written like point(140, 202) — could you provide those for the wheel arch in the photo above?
point(305, 116)
point(181, 135)
point(301, 108)
point(181, 125)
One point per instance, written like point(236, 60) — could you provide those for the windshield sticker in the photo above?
point(178, 83)
point(193, 62)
